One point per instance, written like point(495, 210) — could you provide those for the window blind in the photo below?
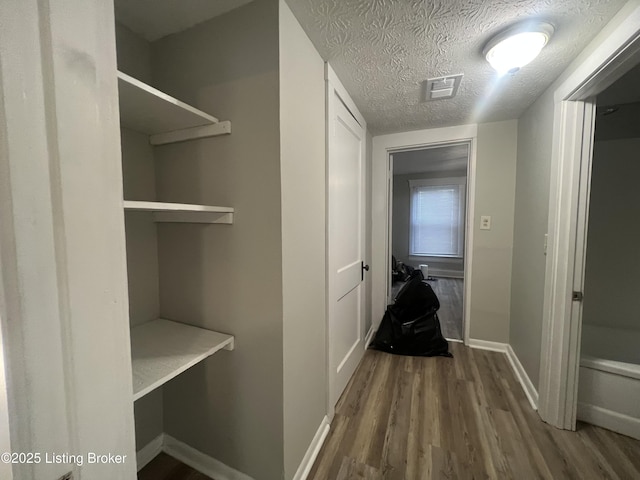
point(437, 223)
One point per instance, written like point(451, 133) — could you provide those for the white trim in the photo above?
point(337, 97)
point(611, 366)
point(369, 338)
point(454, 340)
point(313, 450)
point(332, 78)
point(383, 146)
point(429, 182)
point(201, 461)
point(521, 374)
point(149, 451)
point(487, 345)
point(193, 133)
point(443, 273)
point(617, 422)
point(612, 49)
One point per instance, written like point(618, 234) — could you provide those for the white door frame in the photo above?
point(63, 298)
point(335, 88)
point(616, 49)
point(383, 147)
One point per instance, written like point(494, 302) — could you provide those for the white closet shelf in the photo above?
point(182, 212)
point(164, 118)
point(163, 349)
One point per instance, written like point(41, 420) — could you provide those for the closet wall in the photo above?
point(227, 279)
point(261, 279)
point(138, 171)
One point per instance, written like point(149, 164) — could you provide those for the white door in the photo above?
point(345, 244)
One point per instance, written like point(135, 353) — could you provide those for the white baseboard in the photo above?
point(519, 371)
point(313, 450)
point(368, 339)
point(201, 461)
point(487, 345)
point(189, 456)
point(521, 374)
point(609, 419)
point(149, 451)
point(437, 272)
point(454, 340)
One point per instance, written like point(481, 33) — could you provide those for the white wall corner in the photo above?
point(521, 374)
point(201, 461)
point(313, 450)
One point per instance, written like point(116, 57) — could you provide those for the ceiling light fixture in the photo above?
point(515, 47)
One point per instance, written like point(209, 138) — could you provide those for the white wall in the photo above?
point(62, 237)
point(302, 177)
point(612, 270)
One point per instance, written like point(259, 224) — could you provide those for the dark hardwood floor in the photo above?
point(449, 292)
point(410, 418)
point(164, 467)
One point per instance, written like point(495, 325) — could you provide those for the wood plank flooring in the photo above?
point(449, 292)
point(416, 418)
point(165, 467)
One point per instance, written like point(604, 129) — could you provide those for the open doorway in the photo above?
point(428, 225)
point(609, 378)
point(616, 52)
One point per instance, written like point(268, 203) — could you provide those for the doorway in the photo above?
point(609, 378)
point(384, 146)
point(428, 206)
point(611, 56)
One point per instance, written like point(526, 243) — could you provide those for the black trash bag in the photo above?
point(411, 326)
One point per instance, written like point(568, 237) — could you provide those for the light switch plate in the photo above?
point(485, 222)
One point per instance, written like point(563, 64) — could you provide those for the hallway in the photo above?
point(466, 417)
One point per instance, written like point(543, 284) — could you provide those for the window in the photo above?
point(436, 226)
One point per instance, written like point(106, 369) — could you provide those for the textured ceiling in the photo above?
point(154, 19)
point(383, 50)
point(428, 160)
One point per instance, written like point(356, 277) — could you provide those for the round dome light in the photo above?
point(517, 46)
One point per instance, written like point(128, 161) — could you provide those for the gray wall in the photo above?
point(448, 267)
point(535, 134)
point(302, 174)
point(227, 277)
point(531, 216)
point(612, 270)
point(134, 54)
point(492, 249)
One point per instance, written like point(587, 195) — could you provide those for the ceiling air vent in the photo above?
point(442, 87)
